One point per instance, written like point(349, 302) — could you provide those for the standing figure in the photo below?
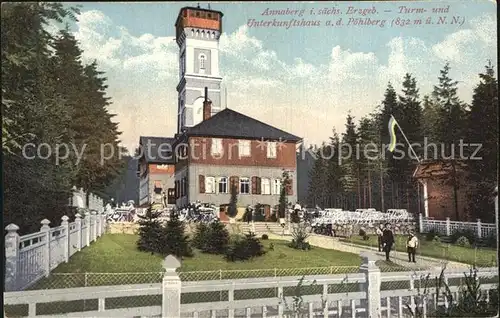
point(411, 247)
point(379, 232)
point(387, 240)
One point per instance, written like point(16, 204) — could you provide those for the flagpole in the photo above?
point(401, 130)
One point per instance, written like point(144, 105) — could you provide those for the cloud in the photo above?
point(303, 98)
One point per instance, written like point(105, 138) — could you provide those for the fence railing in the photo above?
point(369, 292)
point(448, 227)
point(30, 257)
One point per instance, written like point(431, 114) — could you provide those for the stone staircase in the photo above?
point(258, 227)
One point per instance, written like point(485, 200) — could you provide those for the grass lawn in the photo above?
point(481, 257)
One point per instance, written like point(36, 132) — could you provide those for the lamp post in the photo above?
point(496, 220)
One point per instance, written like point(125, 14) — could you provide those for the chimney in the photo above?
point(207, 106)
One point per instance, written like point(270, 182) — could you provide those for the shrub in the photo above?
point(201, 235)
point(463, 241)
point(216, 238)
point(436, 239)
point(468, 233)
point(363, 234)
point(150, 230)
point(271, 247)
point(490, 241)
point(429, 236)
point(173, 240)
point(300, 235)
point(265, 237)
point(241, 249)
point(274, 218)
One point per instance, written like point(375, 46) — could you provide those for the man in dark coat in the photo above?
point(387, 240)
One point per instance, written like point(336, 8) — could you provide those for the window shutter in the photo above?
point(201, 179)
point(259, 185)
point(254, 185)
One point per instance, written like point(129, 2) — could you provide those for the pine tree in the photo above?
point(217, 239)
point(318, 179)
point(335, 182)
point(451, 112)
point(429, 119)
point(349, 163)
point(201, 235)
point(232, 209)
point(150, 231)
point(482, 129)
point(173, 240)
point(283, 201)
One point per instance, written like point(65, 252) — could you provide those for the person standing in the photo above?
point(379, 233)
point(411, 247)
point(387, 240)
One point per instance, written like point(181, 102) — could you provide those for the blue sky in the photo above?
point(303, 80)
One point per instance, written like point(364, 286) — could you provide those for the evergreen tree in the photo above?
point(201, 235)
point(150, 231)
point(232, 209)
point(482, 129)
point(370, 160)
point(350, 166)
point(173, 240)
point(33, 111)
point(335, 182)
point(217, 238)
point(429, 119)
point(450, 111)
point(318, 179)
point(283, 201)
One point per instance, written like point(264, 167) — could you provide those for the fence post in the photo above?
point(78, 225)
point(420, 223)
point(11, 257)
point(103, 224)
point(94, 225)
point(372, 284)
point(98, 224)
point(67, 242)
point(479, 232)
point(171, 288)
point(46, 228)
point(448, 227)
point(87, 228)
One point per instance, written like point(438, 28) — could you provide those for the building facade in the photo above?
point(444, 190)
point(156, 171)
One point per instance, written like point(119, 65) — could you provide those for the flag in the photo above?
point(392, 132)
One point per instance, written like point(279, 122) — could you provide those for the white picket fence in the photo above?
point(372, 297)
point(33, 256)
point(448, 227)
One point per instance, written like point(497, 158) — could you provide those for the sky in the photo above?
point(303, 80)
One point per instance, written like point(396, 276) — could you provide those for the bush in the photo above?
point(429, 236)
point(173, 240)
point(363, 234)
point(436, 239)
point(469, 234)
point(244, 248)
point(300, 235)
point(490, 241)
point(265, 237)
point(217, 238)
point(201, 235)
point(274, 218)
point(462, 241)
point(150, 231)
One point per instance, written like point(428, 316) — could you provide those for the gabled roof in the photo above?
point(160, 149)
point(231, 124)
point(437, 168)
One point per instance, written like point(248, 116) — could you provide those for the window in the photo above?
point(244, 148)
point(223, 185)
point(171, 196)
point(157, 187)
point(265, 186)
point(216, 146)
point(209, 185)
point(202, 58)
point(244, 185)
point(271, 149)
point(277, 186)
